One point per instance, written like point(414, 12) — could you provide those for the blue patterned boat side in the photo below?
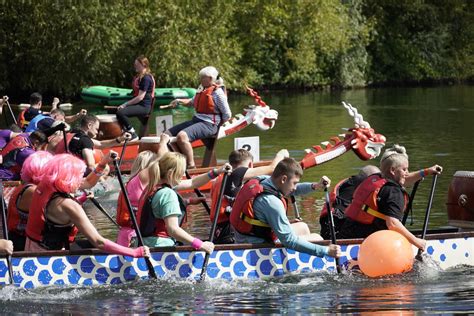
point(229, 264)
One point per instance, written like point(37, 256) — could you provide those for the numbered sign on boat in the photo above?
point(251, 144)
point(163, 123)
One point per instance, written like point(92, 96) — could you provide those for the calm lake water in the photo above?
point(435, 125)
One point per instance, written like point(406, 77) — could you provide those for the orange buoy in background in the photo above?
point(385, 252)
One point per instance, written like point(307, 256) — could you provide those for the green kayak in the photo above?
point(115, 96)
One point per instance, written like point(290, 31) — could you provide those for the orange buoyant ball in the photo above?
point(385, 252)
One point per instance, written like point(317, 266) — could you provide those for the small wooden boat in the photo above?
point(228, 262)
point(115, 96)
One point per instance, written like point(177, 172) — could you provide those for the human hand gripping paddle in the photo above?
point(151, 269)
point(214, 223)
point(428, 210)
point(5, 233)
point(331, 223)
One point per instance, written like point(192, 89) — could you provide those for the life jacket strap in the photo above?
point(374, 212)
point(252, 221)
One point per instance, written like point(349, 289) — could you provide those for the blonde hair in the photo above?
point(172, 167)
point(146, 64)
point(143, 160)
point(392, 157)
point(154, 175)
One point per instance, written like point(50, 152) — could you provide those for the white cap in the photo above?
point(209, 71)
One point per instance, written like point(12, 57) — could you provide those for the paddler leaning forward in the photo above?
point(55, 217)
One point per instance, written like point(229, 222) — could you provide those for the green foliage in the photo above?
point(61, 46)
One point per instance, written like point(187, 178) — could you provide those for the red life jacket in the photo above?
point(60, 148)
point(10, 151)
point(17, 219)
point(148, 223)
point(242, 216)
point(204, 103)
point(332, 197)
point(40, 229)
point(363, 208)
point(225, 204)
point(123, 216)
point(22, 121)
point(136, 86)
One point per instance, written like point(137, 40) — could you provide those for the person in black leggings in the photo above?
point(144, 93)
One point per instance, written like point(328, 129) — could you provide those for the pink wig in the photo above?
point(64, 173)
point(33, 168)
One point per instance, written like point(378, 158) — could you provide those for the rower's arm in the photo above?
point(174, 230)
point(202, 179)
point(395, 225)
point(266, 170)
point(417, 175)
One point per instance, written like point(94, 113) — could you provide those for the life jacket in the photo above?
point(148, 223)
point(21, 119)
point(242, 216)
point(60, 148)
point(10, 151)
point(226, 203)
point(33, 124)
point(40, 229)
point(17, 218)
point(204, 102)
point(363, 208)
point(136, 86)
point(123, 215)
point(333, 197)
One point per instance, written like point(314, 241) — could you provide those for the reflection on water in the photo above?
point(436, 126)
point(425, 289)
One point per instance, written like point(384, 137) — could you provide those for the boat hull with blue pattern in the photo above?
point(229, 262)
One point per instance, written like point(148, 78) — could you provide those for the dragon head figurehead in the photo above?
point(362, 139)
point(262, 116)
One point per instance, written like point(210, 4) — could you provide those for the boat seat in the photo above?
point(210, 151)
point(145, 120)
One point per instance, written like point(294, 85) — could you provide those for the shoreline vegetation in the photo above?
point(58, 47)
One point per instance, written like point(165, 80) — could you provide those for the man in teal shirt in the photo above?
point(270, 209)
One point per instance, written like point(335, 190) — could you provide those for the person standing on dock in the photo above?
point(212, 110)
point(143, 97)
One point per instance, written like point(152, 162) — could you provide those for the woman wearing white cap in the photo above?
point(212, 109)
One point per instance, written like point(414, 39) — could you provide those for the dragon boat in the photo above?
point(115, 96)
point(446, 249)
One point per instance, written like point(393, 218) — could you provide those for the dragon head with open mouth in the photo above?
point(262, 116)
point(362, 139)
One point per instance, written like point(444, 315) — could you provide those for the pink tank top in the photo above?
point(135, 189)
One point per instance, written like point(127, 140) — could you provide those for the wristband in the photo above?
point(82, 198)
point(422, 173)
point(197, 243)
point(212, 174)
point(111, 247)
point(117, 140)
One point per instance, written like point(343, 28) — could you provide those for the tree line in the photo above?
point(60, 46)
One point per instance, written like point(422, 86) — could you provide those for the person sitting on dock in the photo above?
point(212, 110)
point(56, 217)
point(143, 97)
point(162, 210)
point(380, 201)
point(340, 198)
point(82, 142)
point(259, 211)
point(17, 150)
point(241, 161)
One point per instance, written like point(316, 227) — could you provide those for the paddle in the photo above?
point(295, 206)
point(196, 190)
point(410, 202)
point(10, 109)
point(427, 214)
point(5, 233)
point(214, 223)
point(66, 150)
point(102, 209)
point(123, 152)
point(331, 223)
point(151, 270)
